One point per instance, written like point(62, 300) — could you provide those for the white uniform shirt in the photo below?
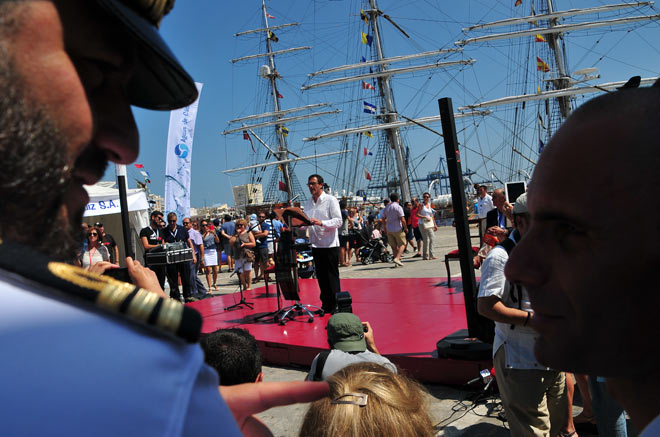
point(326, 209)
point(68, 369)
point(518, 342)
point(484, 205)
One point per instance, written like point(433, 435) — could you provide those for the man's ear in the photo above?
point(260, 377)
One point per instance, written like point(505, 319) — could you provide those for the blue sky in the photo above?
point(201, 33)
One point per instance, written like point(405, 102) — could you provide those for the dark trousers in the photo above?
point(326, 264)
point(160, 273)
point(173, 271)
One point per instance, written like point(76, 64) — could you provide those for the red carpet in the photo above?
point(408, 316)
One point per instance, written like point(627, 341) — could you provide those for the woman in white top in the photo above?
point(427, 226)
point(95, 252)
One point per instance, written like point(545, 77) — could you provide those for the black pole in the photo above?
point(123, 203)
point(460, 216)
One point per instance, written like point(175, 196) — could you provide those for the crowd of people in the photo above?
point(565, 293)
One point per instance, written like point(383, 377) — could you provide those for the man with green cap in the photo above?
point(351, 341)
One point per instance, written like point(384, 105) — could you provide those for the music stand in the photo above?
point(238, 270)
point(286, 270)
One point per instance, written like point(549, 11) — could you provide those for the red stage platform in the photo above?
point(408, 316)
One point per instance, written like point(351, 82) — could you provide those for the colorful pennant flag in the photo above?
point(270, 16)
point(272, 37)
point(541, 65)
point(541, 146)
point(363, 59)
point(364, 17)
point(367, 175)
point(370, 135)
point(246, 136)
point(540, 38)
point(538, 89)
point(284, 131)
point(138, 165)
point(517, 3)
point(279, 167)
point(369, 108)
point(281, 186)
point(367, 86)
point(279, 96)
point(366, 39)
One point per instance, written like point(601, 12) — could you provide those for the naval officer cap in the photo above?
point(159, 81)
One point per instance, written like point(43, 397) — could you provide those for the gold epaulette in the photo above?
point(76, 284)
point(136, 303)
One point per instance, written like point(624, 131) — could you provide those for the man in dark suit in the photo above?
point(498, 219)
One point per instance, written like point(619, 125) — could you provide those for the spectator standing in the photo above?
point(227, 230)
point(484, 202)
point(234, 354)
point(428, 226)
point(414, 224)
point(241, 240)
point(351, 341)
point(276, 227)
point(354, 228)
point(95, 252)
point(498, 220)
point(407, 209)
point(210, 240)
point(152, 238)
point(261, 250)
point(109, 242)
point(325, 215)
point(394, 224)
point(534, 396)
point(196, 286)
point(344, 259)
point(174, 233)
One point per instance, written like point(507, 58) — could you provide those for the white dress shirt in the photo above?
point(326, 209)
point(484, 205)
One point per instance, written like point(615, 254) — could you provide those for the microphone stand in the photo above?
point(240, 287)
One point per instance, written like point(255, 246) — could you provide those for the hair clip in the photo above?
point(361, 399)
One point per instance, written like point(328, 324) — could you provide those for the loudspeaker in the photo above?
point(344, 302)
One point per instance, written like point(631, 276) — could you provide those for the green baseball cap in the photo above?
point(346, 333)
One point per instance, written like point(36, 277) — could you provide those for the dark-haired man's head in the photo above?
point(394, 197)
point(234, 354)
point(227, 218)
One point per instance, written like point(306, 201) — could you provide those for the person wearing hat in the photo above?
point(109, 242)
point(121, 358)
point(351, 341)
point(534, 396)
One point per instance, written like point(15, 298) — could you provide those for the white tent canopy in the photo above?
point(104, 207)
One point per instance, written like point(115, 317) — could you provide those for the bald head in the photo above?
point(499, 198)
point(591, 233)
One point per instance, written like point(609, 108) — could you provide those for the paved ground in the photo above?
point(453, 410)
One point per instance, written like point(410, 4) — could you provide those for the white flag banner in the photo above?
point(179, 156)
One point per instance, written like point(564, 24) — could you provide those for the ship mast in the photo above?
point(283, 151)
point(390, 116)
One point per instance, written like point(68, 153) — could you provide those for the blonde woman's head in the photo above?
point(395, 405)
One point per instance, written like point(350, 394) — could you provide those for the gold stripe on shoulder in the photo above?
point(113, 293)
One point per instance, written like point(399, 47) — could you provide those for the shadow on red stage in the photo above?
point(408, 316)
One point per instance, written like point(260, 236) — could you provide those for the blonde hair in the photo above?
point(395, 406)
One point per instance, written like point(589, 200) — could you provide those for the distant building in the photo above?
point(248, 194)
point(156, 202)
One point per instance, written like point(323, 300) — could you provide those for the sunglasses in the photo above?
point(240, 226)
point(203, 225)
point(171, 221)
point(92, 234)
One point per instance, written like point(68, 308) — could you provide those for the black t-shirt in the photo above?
point(110, 244)
point(406, 213)
point(153, 236)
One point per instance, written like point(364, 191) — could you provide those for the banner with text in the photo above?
point(179, 156)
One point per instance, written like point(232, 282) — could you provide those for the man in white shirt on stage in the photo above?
point(325, 215)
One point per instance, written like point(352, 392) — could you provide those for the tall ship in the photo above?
point(369, 122)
